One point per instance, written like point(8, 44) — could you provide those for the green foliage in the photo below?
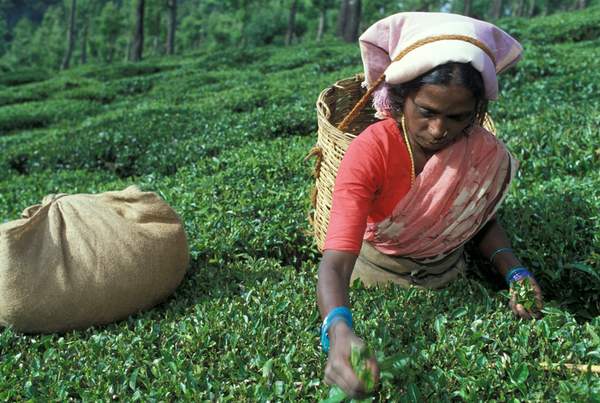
point(268, 26)
point(524, 293)
point(3, 33)
point(23, 76)
point(104, 28)
point(358, 359)
point(555, 231)
point(577, 26)
point(41, 114)
point(549, 116)
point(205, 344)
point(23, 34)
point(40, 46)
point(221, 137)
point(109, 26)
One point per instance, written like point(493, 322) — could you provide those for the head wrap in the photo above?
point(433, 39)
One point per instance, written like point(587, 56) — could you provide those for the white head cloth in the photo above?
point(387, 38)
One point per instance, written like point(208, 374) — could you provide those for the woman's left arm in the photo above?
point(493, 243)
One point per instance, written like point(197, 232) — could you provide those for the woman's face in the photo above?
point(436, 110)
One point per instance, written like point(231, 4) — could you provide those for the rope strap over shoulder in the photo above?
point(361, 104)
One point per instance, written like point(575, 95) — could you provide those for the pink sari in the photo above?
point(459, 190)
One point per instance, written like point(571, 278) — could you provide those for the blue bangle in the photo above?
point(337, 314)
point(517, 273)
point(499, 250)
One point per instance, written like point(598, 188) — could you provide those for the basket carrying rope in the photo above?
point(334, 105)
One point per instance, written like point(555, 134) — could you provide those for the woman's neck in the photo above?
point(421, 157)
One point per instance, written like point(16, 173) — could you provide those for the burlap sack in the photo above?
point(82, 260)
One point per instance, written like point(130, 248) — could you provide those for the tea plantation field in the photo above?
point(222, 138)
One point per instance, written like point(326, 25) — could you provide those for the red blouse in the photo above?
point(374, 175)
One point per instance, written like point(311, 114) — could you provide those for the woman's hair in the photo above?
point(463, 74)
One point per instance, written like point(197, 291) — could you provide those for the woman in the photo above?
point(412, 189)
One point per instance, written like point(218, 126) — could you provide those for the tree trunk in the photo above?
point(352, 21)
point(138, 32)
point(342, 18)
point(111, 50)
point(156, 35)
point(290, 31)
point(128, 48)
point(467, 8)
point(172, 5)
point(531, 9)
point(70, 38)
point(519, 10)
point(545, 8)
point(321, 24)
point(496, 9)
point(84, 42)
point(422, 7)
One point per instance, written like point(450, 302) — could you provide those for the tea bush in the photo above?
point(32, 115)
point(221, 137)
point(582, 25)
point(23, 76)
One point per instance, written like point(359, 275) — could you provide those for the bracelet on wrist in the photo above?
point(499, 250)
point(517, 273)
point(338, 314)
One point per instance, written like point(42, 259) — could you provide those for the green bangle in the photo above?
point(499, 250)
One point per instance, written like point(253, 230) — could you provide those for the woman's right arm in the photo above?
point(335, 271)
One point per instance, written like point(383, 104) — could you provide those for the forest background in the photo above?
point(45, 35)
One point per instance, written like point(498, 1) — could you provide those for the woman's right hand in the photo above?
point(339, 371)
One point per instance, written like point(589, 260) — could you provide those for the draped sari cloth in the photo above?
point(459, 190)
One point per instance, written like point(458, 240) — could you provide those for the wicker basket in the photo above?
point(333, 105)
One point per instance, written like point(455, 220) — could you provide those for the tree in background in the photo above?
point(192, 30)
point(138, 32)
point(264, 22)
point(3, 34)
point(70, 37)
point(290, 31)
point(353, 12)
point(49, 39)
point(349, 20)
point(245, 11)
point(517, 9)
point(531, 9)
point(322, 6)
point(467, 8)
point(86, 13)
point(152, 23)
point(110, 27)
point(496, 9)
point(374, 10)
point(19, 50)
point(84, 35)
point(342, 17)
point(33, 32)
point(172, 6)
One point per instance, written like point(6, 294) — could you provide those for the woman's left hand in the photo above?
point(535, 311)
